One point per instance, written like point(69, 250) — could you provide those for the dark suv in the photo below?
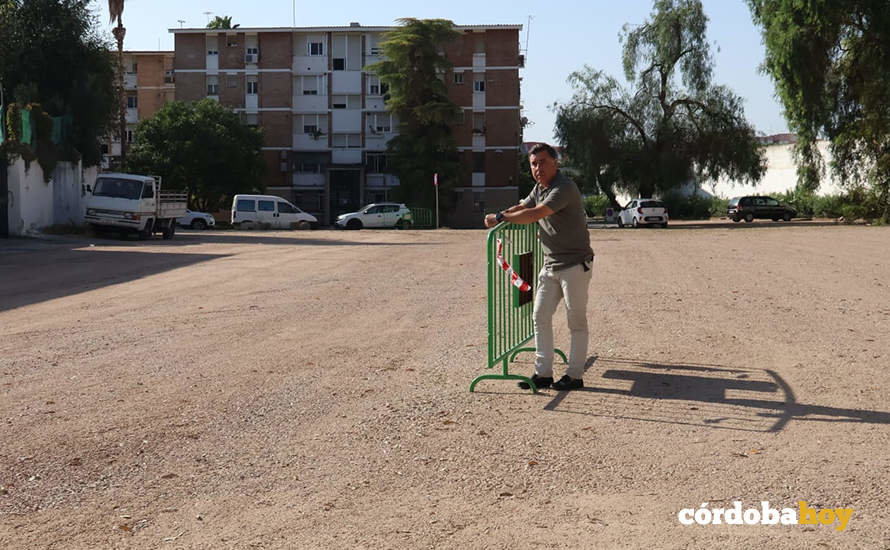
point(748, 208)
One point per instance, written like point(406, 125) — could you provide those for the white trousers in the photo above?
point(572, 284)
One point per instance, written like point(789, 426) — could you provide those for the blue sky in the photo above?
point(563, 37)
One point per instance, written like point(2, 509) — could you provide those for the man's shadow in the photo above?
point(701, 395)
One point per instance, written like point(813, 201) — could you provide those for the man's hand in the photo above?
point(490, 220)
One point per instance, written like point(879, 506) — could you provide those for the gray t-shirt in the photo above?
point(564, 235)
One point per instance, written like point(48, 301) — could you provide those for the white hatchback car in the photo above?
point(640, 212)
point(381, 214)
point(196, 220)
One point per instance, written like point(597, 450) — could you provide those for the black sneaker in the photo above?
point(541, 382)
point(568, 383)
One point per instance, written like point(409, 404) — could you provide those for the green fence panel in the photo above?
point(423, 217)
point(514, 256)
point(26, 126)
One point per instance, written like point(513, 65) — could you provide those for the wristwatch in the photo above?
point(499, 217)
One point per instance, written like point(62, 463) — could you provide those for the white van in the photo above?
point(269, 211)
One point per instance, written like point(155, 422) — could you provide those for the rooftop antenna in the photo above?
point(208, 14)
point(294, 8)
point(528, 30)
point(180, 21)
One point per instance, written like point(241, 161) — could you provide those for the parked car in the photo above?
point(381, 214)
point(196, 220)
point(251, 211)
point(749, 208)
point(639, 212)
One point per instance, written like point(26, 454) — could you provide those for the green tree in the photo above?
point(830, 62)
point(413, 71)
point(201, 147)
point(674, 124)
point(224, 22)
point(51, 53)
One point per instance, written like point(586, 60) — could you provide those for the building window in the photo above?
point(212, 88)
point(316, 48)
point(458, 78)
point(232, 81)
point(376, 163)
point(379, 123)
point(339, 64)
point(479, 85)
point(346, 141)
point(478, 161)
point(253, 51)
point(478, 123)
point(373, 85)
point(132, 102)
point(252, 87)
point(314, 125)
point(212, 52)
point(129, 136)
point(346, 102)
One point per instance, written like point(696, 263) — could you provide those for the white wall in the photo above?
point(35, 203)
point(781, 175)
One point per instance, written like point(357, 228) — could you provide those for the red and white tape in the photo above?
point(515, 279)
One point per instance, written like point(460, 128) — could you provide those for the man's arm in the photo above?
point(519, 214)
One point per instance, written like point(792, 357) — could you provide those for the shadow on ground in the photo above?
point(713, 396)
point(54, 272)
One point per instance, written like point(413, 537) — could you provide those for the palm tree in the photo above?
point(116, 10)
point(224, 22)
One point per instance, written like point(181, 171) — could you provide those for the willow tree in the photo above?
point(413, 71)
point(830, 62)
point(672, 125)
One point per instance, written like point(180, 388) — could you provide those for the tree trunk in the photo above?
point(119, 33)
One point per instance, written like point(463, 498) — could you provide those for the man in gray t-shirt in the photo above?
point(556, 204)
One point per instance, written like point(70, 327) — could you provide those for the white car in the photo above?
point(381, 214)
point(269, 211)
point(196, 220)
point(640, 212)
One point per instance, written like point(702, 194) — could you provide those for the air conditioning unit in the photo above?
point(250, 58)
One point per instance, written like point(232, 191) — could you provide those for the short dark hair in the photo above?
point(543, 147)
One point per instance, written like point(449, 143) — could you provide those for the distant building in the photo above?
point(324, 117)
point(149, 84)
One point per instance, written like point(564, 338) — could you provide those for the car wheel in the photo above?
point(664, 225)
point(636, 223)
point(749, 217)
point(620, 223)
point(403, 224)
point(354, 224)
point(775, 219)
point(736, 219)
point(787, 216)
point(198, 224)
point(170, 230)
point(303, 224)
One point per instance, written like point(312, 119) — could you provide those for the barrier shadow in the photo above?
point(59, 271)
point(300, 238)
point(714, 396)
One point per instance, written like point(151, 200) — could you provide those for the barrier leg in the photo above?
point(504, 376)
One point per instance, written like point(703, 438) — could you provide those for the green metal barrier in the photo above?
point(510, 322)
point(423, 217)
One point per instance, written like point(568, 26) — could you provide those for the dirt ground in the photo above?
point(310, 390)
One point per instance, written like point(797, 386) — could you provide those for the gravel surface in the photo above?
point(310, 390)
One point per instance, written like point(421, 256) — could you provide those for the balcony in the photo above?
point(305, 142)
point(478, 60)
point(374, 103)
point(346, 156)
point(478, 100)
point(478, 140)
point(346, 82)
point(347, 121)
point(310, 103)
point(131, 80)
point(310, 64)
point(478, 179)
point(132, 116)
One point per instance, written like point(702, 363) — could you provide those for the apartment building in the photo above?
point(324, 118)
point(149, 84)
